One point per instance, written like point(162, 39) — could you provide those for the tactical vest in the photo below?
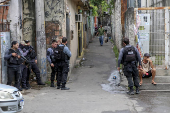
point(31, 54)
point(14, 60)
point(129, 55)
point(58, 54)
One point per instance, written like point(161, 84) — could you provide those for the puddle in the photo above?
point(114, 85)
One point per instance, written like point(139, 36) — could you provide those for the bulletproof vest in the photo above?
point(31, 54)
point(14, 60)
point(58, 54)
point(129, 55)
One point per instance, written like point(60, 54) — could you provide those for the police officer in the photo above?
point(63, 66)
point(50, 51)
point(23, 66)
point(13, 57)
point(129, 57)
point(32, 58)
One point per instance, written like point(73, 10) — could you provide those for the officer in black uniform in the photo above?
point(13, 56)
point(129, 57)
point(23, 66)
point(50, 52)
point(32, 58)
point(63, 66)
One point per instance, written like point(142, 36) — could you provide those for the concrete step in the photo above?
point(163, 83)
point(158, 79)
point(159, 86)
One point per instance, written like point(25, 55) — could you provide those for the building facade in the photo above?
point(62, 18)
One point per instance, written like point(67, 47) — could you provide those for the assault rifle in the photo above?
point(27, 62)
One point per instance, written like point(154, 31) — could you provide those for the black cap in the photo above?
point(26, 41)
point(13, 43)
point(147, 55)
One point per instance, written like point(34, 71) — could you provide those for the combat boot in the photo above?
point(24, 87)
point(52, 84)
point(131, 91)
point(137, 90)
point(39, 82)
point(58, 85)
point(17, 85)
point(64, 87)
point(28, 85)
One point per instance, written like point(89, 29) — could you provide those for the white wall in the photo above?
point(14, 14)
point(71, 8)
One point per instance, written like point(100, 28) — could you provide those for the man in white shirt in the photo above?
point(147, 70)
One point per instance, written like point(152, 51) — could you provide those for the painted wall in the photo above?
point(5, 45)
point(55, 23)
point(72, 9)
point(29, 24)
point(55, 11)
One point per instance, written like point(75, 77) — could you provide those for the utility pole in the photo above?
point(41, 39)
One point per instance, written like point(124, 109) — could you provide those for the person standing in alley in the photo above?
point(51, 60)
point(23, 66)
point(101, 33)
point(63, 56)
point(129, 57)
point(32, 58)
point(14, 64)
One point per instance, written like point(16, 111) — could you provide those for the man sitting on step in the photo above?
point(147, 70)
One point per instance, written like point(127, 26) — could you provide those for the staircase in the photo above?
point(162, 79)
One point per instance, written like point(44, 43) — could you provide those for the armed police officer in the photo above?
point(129, 57)
point(51, 60)
point(13, 57)
point(32, 58)
point(63, 55)
point(23, 65)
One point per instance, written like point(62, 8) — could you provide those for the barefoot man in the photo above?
point(147, 69)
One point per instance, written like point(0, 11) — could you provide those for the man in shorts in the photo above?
point(147, 70)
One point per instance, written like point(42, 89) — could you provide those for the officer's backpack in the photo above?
point(58, 55)
point(129, 54)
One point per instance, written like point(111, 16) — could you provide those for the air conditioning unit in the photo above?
point(78, 17)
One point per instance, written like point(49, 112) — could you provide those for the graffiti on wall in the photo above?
point(43, 69)
point(41, 42)
point(54, 16)
point(28, 21)
point(54, 10)
point(53, 31)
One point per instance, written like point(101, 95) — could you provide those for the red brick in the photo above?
point(5, 17)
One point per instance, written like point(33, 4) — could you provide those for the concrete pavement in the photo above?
point(86, 94)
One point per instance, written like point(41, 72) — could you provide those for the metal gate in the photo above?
point(152, 26)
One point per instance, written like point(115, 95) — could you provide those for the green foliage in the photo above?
point(116, 52)
point(95, 9)
point(101, 6)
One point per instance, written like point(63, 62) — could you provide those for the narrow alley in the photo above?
point(86, 94)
